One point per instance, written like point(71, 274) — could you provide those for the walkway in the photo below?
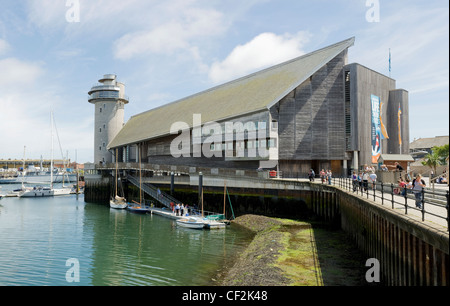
point(434, 212)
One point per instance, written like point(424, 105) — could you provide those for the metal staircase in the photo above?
point(152, 191)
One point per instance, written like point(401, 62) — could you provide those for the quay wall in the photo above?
point(410, 252)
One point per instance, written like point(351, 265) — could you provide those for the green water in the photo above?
point(38, 237)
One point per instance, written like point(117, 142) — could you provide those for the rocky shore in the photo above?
point(293, 253)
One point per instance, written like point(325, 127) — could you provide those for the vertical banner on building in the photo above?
point(400, 128)
point(376, 129)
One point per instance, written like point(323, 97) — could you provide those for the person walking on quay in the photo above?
point(322, 176)
point(360, 182)
point(373, 178)
point(354, 181)
point(329, 175)
point(365, 179)
point(311, 175)
point(418, 186)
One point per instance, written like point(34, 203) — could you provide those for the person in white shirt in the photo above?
point(373, 179)
point(418, 187)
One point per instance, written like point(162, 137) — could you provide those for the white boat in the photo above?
point(37, 192)
point(192, 222)
point(212, 224)
point(45, 191)
point(118, 203)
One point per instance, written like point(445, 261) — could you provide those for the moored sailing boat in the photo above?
point(40, 191)
point(117, 202)
point(139, 207)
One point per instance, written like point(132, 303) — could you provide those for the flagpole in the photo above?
point(390, 62)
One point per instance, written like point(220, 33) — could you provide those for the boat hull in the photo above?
point(191, 223)
point(44, 192)
point(117, 205)
point(215, 225)
point(137, 209)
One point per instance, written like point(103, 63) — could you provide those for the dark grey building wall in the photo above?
point(311, 118)
point(399, 97)
point(364, 83)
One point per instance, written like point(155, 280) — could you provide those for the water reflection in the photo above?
point(38, 236)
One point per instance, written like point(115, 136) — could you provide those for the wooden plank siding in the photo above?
point(312, 118)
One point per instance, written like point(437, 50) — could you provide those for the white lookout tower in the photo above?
point(109, 99)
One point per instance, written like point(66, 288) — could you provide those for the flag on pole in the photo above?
point(390, 62)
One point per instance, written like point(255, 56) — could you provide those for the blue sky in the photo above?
point(167, 50)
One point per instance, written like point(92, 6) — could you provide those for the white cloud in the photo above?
point(15, 72)
point(4, 46)
point(266, 49)
point(178, 34)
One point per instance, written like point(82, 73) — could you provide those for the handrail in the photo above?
point(392, 194)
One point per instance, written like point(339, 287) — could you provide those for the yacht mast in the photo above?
point(51, 163)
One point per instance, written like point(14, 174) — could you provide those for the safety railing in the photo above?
point(426, 202)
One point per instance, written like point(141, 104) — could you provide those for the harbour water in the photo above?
point(50, 241)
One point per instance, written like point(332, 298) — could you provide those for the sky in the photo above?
point(53, 51)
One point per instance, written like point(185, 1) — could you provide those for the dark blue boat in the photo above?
point(138, 209)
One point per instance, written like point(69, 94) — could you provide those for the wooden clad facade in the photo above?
point(320, 118)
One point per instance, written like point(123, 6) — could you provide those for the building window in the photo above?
point(263, 143)
point(100, 130)
point(99, 148)
point(272, 143)
point(100, 109)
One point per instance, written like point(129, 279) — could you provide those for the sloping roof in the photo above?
point(428, 143)
point(253, 93)
point(396, 157)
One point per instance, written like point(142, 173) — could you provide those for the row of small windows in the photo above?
point(235, 127)
point(244, 145)
point(105, 94)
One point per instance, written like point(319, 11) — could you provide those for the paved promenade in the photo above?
point(435, 214)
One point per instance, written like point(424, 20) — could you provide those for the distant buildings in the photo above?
point(315, 111)
point(423, 146)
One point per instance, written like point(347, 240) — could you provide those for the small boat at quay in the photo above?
point(192, 222)
point(137, 208)
point(118, 202)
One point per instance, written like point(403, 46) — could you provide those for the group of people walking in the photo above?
point(361, 183)
point(363, 178)
point(326, 176)
point(416, 186)
point(179, 209)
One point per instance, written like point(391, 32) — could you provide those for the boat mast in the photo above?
point(51, 162)
point(140, 175)
point(202, 204)
point(224, 197)
point(23, 166)
point(116, 172)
